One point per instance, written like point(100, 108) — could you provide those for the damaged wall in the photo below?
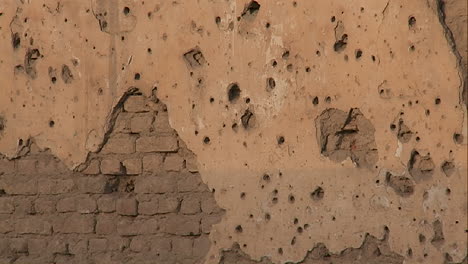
point(317, 123)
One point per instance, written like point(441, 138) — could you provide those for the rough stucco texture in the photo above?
point(324, 130)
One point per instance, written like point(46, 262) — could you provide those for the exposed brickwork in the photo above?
point(136, 201)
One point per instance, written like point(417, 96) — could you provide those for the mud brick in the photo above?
point(190, 182)
point(24, 205)
point(201, 246)
point(162, 143)
point(94, 184)
point(182, 246)
point(86, 205)
point(208, 221)
point(6, 166)
point(26, 166)
point(106, 225)
point(122, 123)
point(148, 207)
point(33, 225)
point(149, 226)
point(168, 204)
point(173, 162)
point(127, 227)
point(132, 166)
point(19, 245)
point(76, 224)
point(49, 165)
point(44, 206)
point(208, 203)
point(58, 246)
point(78, 247)
point(6, 205)
point(37, 246)
point(190, 205)
point(19, 185)
point(66, 205)
point(112, 167)
point(136, 104)
point(152, 162)
point(97, 245)
point(182, 225)
point(161, 123)
point(160, 246)
point(119, 144)
point(139, 244)
point(142, 122)
point(6, 225)
point(155, 184)
point(106, 204)
point(191, 163)
point(93, 168)
point(127, 206)
point(55, 186)
point(116, 243)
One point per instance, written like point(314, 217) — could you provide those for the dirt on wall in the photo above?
point(323, 131)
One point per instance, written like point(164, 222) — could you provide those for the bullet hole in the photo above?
point(403, 186)
point(266, 178)
point(242, 195)
point(362, 9)
point(315, 101)
point(194, 58)
point(409, 252)
point(267, 217)
point(233, 92)
point(246, 118)
point(51, 123)
point(458, 138)
point(346, 57)
point(333, 218)
point(412, 48)
point(328, 99)
point(32, 55)
point(333, 18)
point(239, 229)
point(448, 168)
point(294, 4)
point(206, 140)
point(247, 100)
point(274, 200)
point(358, 54)
point(15, 40)
point(340, 45)
point(217, 20)
point(2, 124)
point(234, 127)
point(318, 194)
point(251, 9)
point(411, 21)
point(343, 135)
point(437, 101)
point(420, 167)
point(307, 69)
point(289, 67)
point(293, 241)
point(53, 79)
point(418, 139)
point(296, 221)
point(448, 258)
point(317, 53)
point(271, 84)
point(66, 20)
point(126, 10)
point(67, 75)
point(373, 58)
point(280, 251)
point(280, 140)
point(137, 76)
point(448, 192)
point(267, 25)
point(428, 112)
point(20, 142)
point(285, 55)
point(275, 192)
point(306, 226)
point(274, 63)
point(438, 238)
point(291, 198)
point(211, 99)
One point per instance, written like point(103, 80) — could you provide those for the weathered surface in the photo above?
point(122, 206)
point(67, 64)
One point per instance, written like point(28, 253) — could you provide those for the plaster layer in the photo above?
point(68, 63)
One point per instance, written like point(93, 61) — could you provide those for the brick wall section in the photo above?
point(139, 200)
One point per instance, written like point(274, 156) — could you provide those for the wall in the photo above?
point(315, 125)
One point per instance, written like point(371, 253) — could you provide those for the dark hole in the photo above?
point(126, 10)
point(274, 63)
point(267, 25)
point(373, 58)
point(266, 177)
point(285, 55)
point(211, 99)
point(242, 195)
point(247, 100)
point(280, 140)
point(51, 123)
point(271, 83)
point(267, 216)
point(437, 101)
point(239, 229)
point(428, 112)
point(280, 251)
point(412, 48)
point(233, 92)
point(252, 8)
point(422, 238)
point(328, 99)
point(16, 40)
point(149, 50)
point(217, 20)
point(206, 140)
point(411, 21)
point(53, 79)
point(300, 230)
point(333, 19)
point(317, 194)
point(291, 198)
point(307, 69)
point(458, 138)
point(315, 101)
point(137, 76)
point(392, 126)
point(358, 53)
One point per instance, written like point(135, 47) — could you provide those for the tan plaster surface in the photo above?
point(153, 37)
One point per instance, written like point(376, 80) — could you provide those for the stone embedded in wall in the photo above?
point(109, 205)
point(342, 135)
